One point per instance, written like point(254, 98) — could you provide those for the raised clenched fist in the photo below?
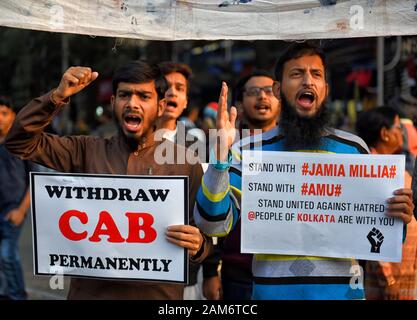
point(74, 80)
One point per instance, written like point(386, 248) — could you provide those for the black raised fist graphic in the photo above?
point(376, 238)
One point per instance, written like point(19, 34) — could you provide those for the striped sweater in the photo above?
point(278, 276)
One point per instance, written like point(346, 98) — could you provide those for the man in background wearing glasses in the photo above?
point(258, 109)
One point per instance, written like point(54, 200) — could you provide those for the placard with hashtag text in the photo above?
point(315, 204)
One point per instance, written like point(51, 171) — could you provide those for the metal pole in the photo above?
point(380, 70)
point(65, 52)
point(62, 123)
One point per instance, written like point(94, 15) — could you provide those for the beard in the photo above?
point(302, 132)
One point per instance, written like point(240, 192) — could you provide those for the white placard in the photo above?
point(107, 226)
point(321, 205)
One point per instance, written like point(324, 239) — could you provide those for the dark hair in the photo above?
point(295, 51)
point(168, 67)
point(140, 71)
point(240, 85)
point(370, 123)
point(6, 101)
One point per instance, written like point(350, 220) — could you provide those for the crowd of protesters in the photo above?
point(150, 107)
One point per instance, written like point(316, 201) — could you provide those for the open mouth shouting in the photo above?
point(171, 105)
point(306, 99)
point(262, 108)
point(132, 121)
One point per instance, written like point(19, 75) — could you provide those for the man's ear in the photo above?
point(186, 103)
point(276, 89)
point(327, 89)
point(112, 99)
point(384, 135)
point(161, 107)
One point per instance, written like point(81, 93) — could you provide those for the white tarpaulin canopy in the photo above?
point(214, 19)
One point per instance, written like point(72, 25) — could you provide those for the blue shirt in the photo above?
point(14, 180)
point(279, 276)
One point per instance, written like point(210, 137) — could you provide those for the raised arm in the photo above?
point(27, 139)
point(216, 209)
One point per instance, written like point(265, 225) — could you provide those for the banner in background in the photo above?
point(214, 19)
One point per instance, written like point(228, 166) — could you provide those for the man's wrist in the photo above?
point(56, 99)
point(221, 165)
point(200, 250)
